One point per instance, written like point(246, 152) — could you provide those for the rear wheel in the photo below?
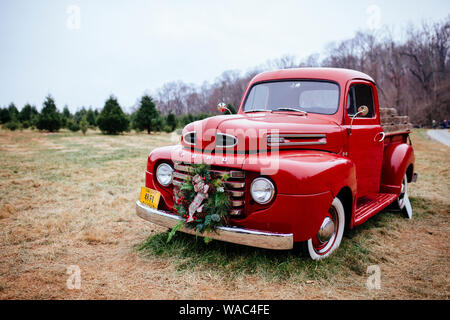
point(401, 200)
point(329, 235)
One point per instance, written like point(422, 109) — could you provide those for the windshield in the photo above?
point(305, 95)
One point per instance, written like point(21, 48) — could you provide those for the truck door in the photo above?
point(365, 137)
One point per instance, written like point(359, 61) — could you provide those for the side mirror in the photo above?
point(222, 107)
point(363, 111)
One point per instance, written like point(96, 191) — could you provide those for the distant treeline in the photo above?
point(110, 120)
point(412, 76)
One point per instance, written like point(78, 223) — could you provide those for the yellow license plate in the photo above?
point(150, 197)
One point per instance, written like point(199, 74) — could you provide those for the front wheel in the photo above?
point(329, 235)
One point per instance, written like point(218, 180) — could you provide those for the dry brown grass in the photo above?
point(68, 199)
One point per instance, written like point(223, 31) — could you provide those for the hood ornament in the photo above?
point(222, 107)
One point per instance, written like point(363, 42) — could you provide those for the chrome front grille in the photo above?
point(235, 185)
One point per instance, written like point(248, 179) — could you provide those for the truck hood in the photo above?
point(255, 132)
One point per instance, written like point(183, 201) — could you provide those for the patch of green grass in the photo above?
point(189, 253)
point(424, 206)
point(353, 256)
point(61, 134)
point(87, 156)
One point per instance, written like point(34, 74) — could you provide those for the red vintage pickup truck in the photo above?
point(306, 157)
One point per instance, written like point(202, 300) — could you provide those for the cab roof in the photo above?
point(334, 74)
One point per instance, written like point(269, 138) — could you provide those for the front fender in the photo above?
point(307, 181)
point(309, 172)
point(161, 154)
point(158, 155)
point(301, 215)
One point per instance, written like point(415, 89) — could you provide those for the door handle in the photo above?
point(382, 138)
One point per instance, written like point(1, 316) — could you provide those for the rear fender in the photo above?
point(396, 160)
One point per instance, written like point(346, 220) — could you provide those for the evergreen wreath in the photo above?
point(201, 201)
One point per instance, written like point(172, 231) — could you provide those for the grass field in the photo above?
point(68, 199)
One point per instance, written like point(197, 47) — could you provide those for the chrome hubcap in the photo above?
point(327, 233)
point(326, 230)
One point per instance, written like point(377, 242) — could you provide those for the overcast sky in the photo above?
point(83, 51)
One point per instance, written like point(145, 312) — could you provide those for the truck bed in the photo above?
point(392, 122)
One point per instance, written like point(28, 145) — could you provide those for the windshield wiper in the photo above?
point(256, 110)
point(290, 109)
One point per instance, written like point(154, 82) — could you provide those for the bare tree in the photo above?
point(284, 62)
point(412, 76)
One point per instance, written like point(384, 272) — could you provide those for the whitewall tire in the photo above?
point(402, 201)
point(329, 236)
point(403, 193)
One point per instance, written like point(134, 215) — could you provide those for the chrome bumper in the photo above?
point(253, 238)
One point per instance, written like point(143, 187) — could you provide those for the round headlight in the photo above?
point(164, 174)
point(262, 190)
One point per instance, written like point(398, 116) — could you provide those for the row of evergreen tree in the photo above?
point(110, 120)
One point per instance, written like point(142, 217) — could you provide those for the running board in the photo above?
point(370, 205)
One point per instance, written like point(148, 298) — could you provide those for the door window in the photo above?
point(360, 95)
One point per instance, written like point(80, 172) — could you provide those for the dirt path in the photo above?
point(443, 136)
